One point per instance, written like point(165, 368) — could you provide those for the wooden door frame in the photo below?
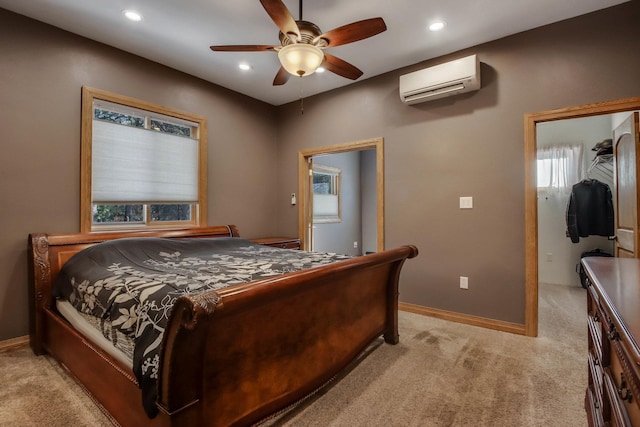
point(303, 183)
point(530, 188)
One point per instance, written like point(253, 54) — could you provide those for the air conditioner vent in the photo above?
point(451, 78)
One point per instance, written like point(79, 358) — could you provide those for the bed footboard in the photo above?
point(240, 354)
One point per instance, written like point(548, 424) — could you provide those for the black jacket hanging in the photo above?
point(590, 210)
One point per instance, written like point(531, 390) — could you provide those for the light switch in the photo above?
point(466, 202)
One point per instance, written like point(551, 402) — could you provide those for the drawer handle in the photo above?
point(623, 391)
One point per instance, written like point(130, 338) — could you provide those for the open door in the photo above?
point(626, 150)
point(308, 206)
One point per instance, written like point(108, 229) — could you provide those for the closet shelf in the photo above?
point(601, 168)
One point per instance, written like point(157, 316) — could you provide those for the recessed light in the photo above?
point(244, 67)
point(437, 26)
point(132, 15)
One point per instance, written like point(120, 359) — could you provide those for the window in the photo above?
point(559, 167)
point(326, 194)
point(143, 165)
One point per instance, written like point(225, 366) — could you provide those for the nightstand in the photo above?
point(279, 242)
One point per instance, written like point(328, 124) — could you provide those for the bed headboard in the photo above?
point(49, 252)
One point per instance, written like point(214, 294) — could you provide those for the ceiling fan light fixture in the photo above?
point(300, 59)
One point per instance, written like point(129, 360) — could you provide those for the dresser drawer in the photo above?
point(623, 375)
point(615, 408)
point(594, 413)
point(595, 335)
point(595, 379)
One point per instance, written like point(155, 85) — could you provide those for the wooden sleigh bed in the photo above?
point(233, 356)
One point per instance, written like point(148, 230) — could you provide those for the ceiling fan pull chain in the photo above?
point(301, 96)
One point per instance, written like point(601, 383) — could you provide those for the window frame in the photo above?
point(198, 214)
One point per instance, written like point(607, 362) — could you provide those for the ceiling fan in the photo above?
point(302, 43)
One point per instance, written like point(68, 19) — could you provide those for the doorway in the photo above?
point(305, 174)
point(531, 201)
point(566, 157)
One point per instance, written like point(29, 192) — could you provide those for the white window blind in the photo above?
point(325, 205)
point(139, 165)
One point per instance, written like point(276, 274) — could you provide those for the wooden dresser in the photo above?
point(279, 242)
point(613, 394)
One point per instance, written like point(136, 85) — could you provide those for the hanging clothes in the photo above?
point(590, 210)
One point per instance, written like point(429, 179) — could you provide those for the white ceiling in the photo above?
point(178, 33)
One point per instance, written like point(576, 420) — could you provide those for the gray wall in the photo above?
point(469, 145)
point(42, 70)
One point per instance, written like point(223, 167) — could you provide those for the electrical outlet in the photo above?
point(355, 245)
point(464, 282)
point(549, 257)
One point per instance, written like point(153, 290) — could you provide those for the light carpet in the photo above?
point(441, 374)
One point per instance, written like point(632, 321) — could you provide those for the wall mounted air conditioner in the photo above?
point(450, 78)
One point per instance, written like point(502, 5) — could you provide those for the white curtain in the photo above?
point(559, 167)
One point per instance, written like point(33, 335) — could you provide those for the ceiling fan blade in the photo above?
point(353, 32)
point(282, 17)
point(282, 77)
point(243, 48)
point(340, 67)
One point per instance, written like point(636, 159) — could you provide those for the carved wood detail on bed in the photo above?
point(232, 356)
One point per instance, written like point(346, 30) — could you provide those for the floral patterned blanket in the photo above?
point(133, 283)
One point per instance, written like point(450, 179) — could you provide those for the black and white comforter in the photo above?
point(133, 284)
